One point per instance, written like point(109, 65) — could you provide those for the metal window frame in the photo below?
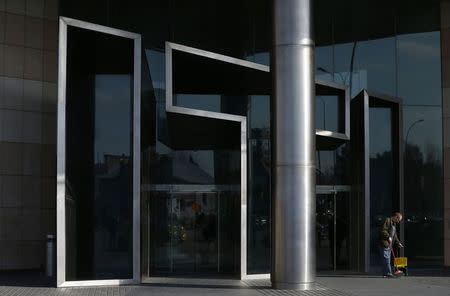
point(170, 107)
point(242, 120)
point(363, 184)
point(61, 281)
point(345, 136)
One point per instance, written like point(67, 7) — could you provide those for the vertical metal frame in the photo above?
point(361, 103)
point(61, 153)
point(221, 116)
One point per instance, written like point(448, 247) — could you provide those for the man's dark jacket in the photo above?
point(386, 233)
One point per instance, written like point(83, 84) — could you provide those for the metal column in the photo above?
point(293, 236)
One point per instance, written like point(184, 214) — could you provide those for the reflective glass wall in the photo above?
point(399, 56)
point(99, 203)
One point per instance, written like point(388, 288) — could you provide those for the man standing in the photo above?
point(388, 240)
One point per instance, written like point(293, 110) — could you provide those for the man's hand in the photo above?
point(400, 245)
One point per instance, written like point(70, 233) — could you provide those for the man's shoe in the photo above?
point(389, 275)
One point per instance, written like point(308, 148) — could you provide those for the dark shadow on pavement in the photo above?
point(25, 278)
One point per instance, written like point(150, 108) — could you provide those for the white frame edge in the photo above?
point(64, 22)
point(222, 116)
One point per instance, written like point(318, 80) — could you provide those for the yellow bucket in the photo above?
point(400, 262)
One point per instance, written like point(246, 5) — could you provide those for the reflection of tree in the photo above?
point(423, 201)
point(423, 182)
point(382, 187)
point(335, 169)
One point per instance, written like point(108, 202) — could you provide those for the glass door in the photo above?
point(333, 231)
point(192, 233)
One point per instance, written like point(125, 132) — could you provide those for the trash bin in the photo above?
point(50, 268)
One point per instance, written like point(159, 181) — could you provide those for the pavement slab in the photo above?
point(325, 286)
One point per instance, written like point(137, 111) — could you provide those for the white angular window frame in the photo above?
point(170, 107)
point(61, 281)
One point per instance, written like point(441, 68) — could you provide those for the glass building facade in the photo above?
point(191, 167)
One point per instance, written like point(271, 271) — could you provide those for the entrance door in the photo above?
point(193, 233)
point(333, 230)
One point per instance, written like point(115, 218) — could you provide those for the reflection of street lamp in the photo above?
point(407, 133)
point(406, 151)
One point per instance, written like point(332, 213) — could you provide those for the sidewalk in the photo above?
point(326, 285)
point(377, 286)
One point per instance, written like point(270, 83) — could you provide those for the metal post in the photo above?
point(293, 235)
point(334, 229)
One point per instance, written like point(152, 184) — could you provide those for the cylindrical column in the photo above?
point(293, 144)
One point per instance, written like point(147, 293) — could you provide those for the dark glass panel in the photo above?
point(414, 16)
point(327, 113)
point(259, 200)
point(325, 231)
point(381, 19)
point(419, 85)
point(346, 238)
point(367, 65)
point(342, 57)
point(98, 156)
point(259, 206)
point(212, 85)
point(193, 232)
point(219, 26)
point(323, 25)
point(333, 231)
point(423, 185)
point(334, 166)
point(86, 10)
point(350, 20)
point(374, 66)
point(419, 69)
point(382, 188)
point(324, 63)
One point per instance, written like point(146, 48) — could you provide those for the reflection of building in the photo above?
point(185, 159)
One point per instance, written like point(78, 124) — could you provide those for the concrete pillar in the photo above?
point(293, 144)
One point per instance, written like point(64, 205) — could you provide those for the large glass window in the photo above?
point(259, 198)
point(419, 85)
point(99, 210)
point(383, 197)
point(398, 56)
point(192, 174)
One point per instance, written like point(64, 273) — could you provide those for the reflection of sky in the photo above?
point(419, 83)
point(156, 64)
point(419, 65)
point(112, 115)
point(260, 112)
point(406, 66)
point(327, 113)
point(380, 131)
point(198, 101)
point(427, 134)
